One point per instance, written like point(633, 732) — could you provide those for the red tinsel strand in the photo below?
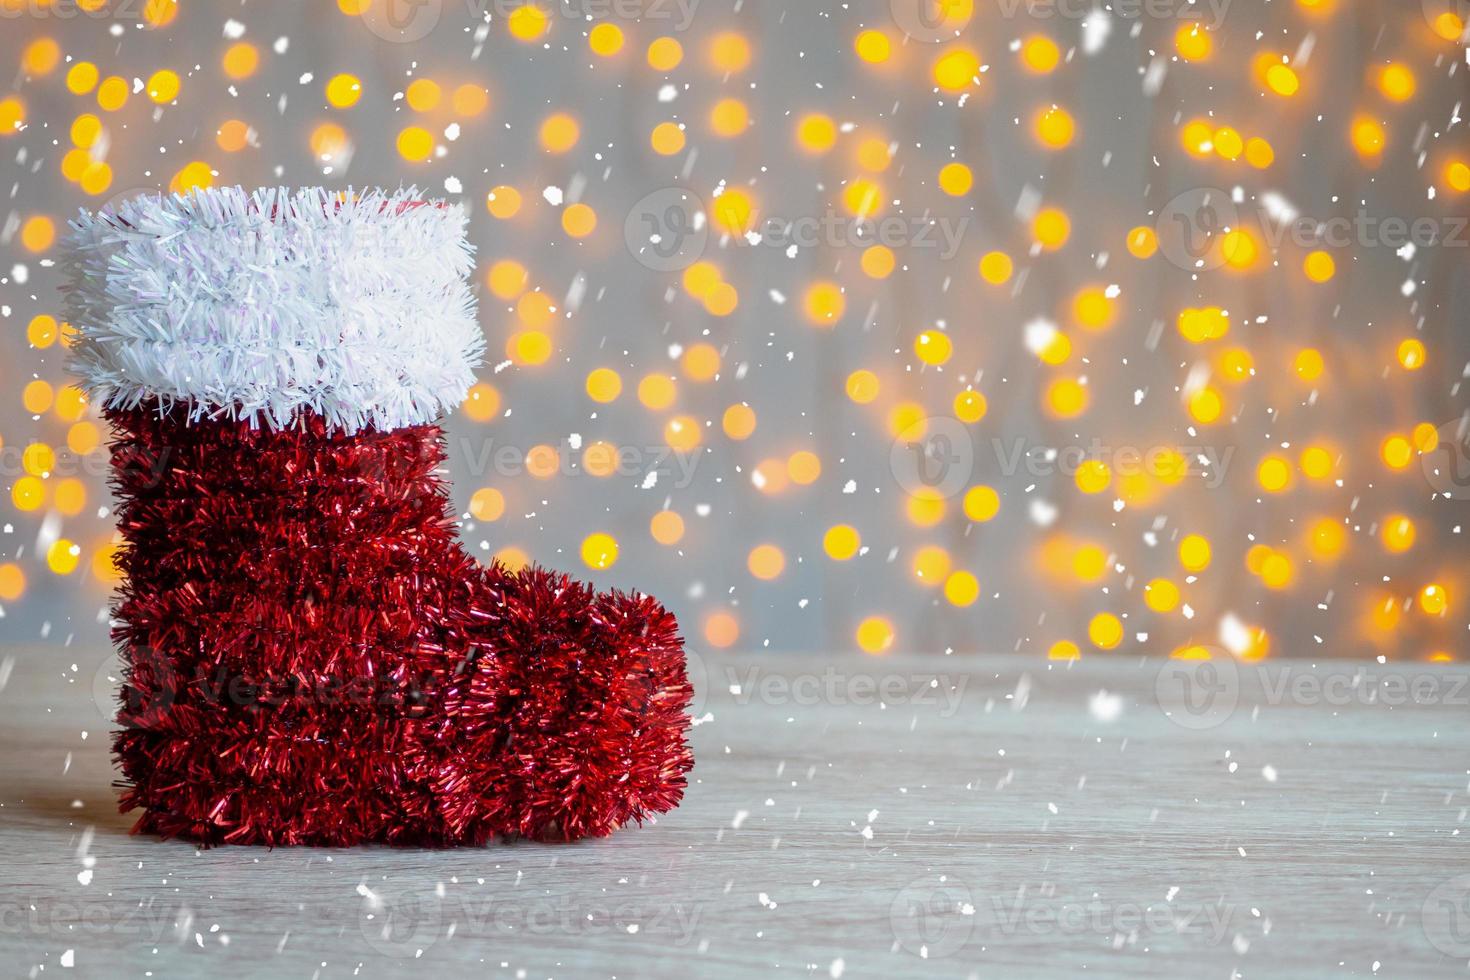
point(310, 658)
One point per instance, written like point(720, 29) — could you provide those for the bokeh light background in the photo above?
point(1029, 325)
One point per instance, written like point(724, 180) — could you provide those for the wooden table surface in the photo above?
point(848, 817)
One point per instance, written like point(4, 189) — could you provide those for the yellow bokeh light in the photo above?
point(656, 391)
point(12, 582)
point(721, 630)
point(1195, 552)
point(63, 556)
point(528, 23)
point(1054, 127)
point(1161, 595)
point(503, 201)
point(605, 39)
point(961, 589)
point(599, 550)
point(862, 386)
point(996, 267)
point(507, 278)
point(841, 542)
point(482, 403)
point(766, 561)
point(1398, 533)
point(1319, 266)
point(1105, 631)
point(925, 508)
point(729, 117)
point(41, 56)
point(955, 179)
point(666, 139)
point(1066, 398)
point(559, 132)
point(1368, 137)
point(816, 133)
point(729, 52)
point(666, 527)
point(604, 385)
point(804, 467)
point(954, 70)
point(981, 503)
point(733, 213)
point(487, 504)
point(874, 635)
point(423, 95)
point(1063, 650)
point(240, 60)
point(933, 347)
point(664, 54)
point(1040, 54)
point(930, 565)
point(872, 46)
point(1051, 228)
point(415, 144)
point(739, 421)
point(1396, 82)
point(878, 262)
point(579, 220)
point(162, 86)
point(1193, 43)
point(970, 406)
point(824, 303)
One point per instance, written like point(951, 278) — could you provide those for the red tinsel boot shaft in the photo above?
point(310, 658)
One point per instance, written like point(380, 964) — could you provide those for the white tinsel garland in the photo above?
point(258, 305)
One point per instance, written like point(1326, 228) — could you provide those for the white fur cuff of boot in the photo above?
point(259, 305)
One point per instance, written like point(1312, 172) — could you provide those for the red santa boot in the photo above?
point(309, 656)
